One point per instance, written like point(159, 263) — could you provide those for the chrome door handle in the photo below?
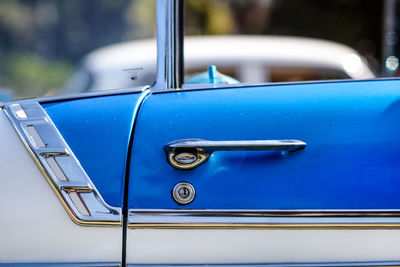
point(190, 153)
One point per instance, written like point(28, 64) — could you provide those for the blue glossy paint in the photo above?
point(98, 131)
point(352, 158)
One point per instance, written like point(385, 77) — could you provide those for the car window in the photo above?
point(281, 40)
point(293, 74)
point(52, 47)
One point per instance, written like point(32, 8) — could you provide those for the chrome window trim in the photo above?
point(47, 99)
point(167, 42)
point(261, 219)
point(201, 87)
point(99, 212)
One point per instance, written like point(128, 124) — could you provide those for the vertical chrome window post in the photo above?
point(389, 37)
point(169, 45)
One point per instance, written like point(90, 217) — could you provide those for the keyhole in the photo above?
point(184, 192)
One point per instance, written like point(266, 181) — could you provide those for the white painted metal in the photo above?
point(168, 246)
point(34, 227)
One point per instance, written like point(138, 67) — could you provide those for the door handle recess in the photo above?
point(189, 153)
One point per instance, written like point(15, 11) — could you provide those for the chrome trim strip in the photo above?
point(166, 31)
point(253, 219)
point(340, 264)
point(19, 111)
point(47, 99)
point(97, 211)
point(202, 87)
point(110, 264)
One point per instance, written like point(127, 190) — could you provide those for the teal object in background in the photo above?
point(212, 76)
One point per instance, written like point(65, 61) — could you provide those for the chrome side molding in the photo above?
point(263, 219)
point(100, 264)
point(190, 153)
point(59, 165)
point(339, 264)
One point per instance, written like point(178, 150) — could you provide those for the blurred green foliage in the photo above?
point(208, 17)
point(30, 75)
point(42, 40)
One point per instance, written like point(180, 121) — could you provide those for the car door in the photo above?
point(323, 186)
point(75, 150)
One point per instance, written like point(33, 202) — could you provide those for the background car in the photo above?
point(249, 59)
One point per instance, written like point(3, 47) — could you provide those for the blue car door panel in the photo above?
point(350, 161)
point(98, 131)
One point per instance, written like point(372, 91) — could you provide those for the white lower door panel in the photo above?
point(34, 227)
point(201, 246)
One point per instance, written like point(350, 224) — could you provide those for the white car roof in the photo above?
point(201, 51)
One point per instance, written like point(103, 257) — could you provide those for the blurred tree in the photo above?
point(208, 17)
point(357, 23)
point(40, 40)
point(140, 16)
point(345, 21)
point(32, 75)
